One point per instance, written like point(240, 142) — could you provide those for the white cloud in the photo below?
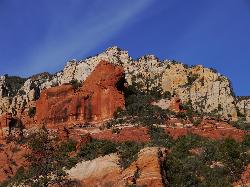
point(80, 37)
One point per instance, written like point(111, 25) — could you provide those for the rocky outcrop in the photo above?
point(97, 100)
point(208, 128)
point(23, 98)
point(102, 171)
point(146, 170)
point(2, 86)
point(207, 90)
point(11, 158)
point(106, 171)
point(243, 104)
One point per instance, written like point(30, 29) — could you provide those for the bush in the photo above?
point(185, 168)
point(128, 152)
point(68, 146)
point(14, 84)
point(241, 124)
point(96, 148)
point(239, 114)
point(32, 112)
point(166, 95)
point(159, 137)
point(192, 78)
point(246, 141)
point(139, 110)
point(47, 160)
point(75, 84)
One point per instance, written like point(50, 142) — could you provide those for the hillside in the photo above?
point(111, 120)
point(205, 88)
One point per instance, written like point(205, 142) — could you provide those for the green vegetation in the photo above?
point(14, 84)
point(241, 124)
point(192, 78)
point(128, 152)
point(32, 112)
point(75, 84)
point(239, 114)
point(96, 148)
point(189, 113)
point(47, 159)
point(191, 161)
point(214, 163)
point(139, 109)
point(159, 137)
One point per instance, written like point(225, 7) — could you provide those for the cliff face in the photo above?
point(207, 89)
point(243, 105)
point(96, 100)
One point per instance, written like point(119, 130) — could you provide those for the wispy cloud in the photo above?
point(82, 33)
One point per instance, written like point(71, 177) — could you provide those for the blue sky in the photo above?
point(41, 35)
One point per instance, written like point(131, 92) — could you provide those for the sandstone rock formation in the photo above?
point(105, 171)
point(243, 104)
point(11, 158)
point(208, 90)
point(146, 171)
point(102, 171)
point(97, 100)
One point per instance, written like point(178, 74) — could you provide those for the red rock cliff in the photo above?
point(96, 100)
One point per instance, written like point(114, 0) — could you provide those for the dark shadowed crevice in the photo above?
point(87, 109)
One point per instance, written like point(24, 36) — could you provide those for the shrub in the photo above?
point(14, 84)
point(246, 141)
point(68, 146)
point(159, 137)
point(185, 168)
point(96, 148)
point(192, 78)
point(128, 152)
point(241, 124)
point(32, 112)
point(239, 114)
point(139, 110)
point(196, 122)
point(166, 95)
point(75, 84)
point(47, 160)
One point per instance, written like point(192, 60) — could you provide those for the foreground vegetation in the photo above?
point(192, 160)
point(196, 161)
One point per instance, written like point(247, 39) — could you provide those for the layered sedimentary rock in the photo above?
point(97, 100)
point(243, 104)
point(102, 171)
point(106, 171)
point(146, 171)
point(208, 90)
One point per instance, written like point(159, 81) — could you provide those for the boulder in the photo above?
point(106, 171)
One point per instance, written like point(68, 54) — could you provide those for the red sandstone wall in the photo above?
point(95, 101)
